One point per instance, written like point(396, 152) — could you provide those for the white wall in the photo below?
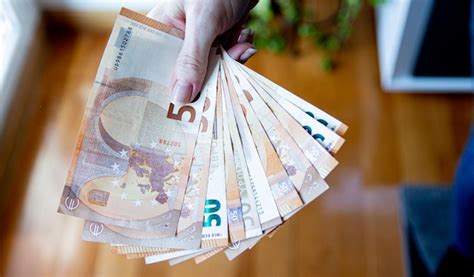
point(16, 46)
point(400, 26)
point(27, 14)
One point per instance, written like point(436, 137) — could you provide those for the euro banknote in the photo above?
point(166, 181)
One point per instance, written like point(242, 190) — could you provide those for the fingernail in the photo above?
point(182, 91)
point(247, 54)
point(244, 35)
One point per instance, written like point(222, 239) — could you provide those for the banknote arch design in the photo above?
point(149, 173)
point(140, 175)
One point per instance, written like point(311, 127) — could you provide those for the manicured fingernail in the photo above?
point(182, 91)
point(247, 54)
point(244, 35)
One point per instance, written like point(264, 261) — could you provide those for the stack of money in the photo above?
point(177, 181)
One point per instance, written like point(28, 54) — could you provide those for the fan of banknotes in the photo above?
point(173, 181)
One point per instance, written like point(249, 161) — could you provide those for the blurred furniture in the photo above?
point(426, 222)
point(18, 22)
point(425, 45)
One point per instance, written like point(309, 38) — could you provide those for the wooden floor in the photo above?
point(352, 230)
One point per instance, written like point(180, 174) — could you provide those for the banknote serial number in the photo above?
point(125, 35)
point(170, 143)
point(214, 235)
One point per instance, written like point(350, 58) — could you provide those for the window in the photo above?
point(8, 23)
point(18, 20)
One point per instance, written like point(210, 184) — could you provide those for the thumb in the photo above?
point(191, 65)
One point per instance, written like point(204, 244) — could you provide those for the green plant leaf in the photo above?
point(307, 30)
point(277, 44)
point(269, 24)
point(263, 10)
point(327, 64)
point(333, 43)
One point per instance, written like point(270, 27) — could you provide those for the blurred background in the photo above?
point(399, 73)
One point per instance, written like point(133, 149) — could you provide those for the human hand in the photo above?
point(202, 21)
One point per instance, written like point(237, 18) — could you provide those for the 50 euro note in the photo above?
point(235, 210)
point(260, 100)
point(282, 188)
point(235, 216)
point(168, 256)
point(251, 220)
point(317, 187)
point(234, 206)
point(232, 251)
point(321, 116)
point(215, 231)
point(235, 250)
point(330, 140)
point(306, 178)
point(266, 206)
point(184, 257)
point(174, 257)
point(133, 154)
point(266, 196)
point(249, 207)
point(123, 249)
point(309, 194)
point(190, 222)
point(303, 174)
point(248, 201)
